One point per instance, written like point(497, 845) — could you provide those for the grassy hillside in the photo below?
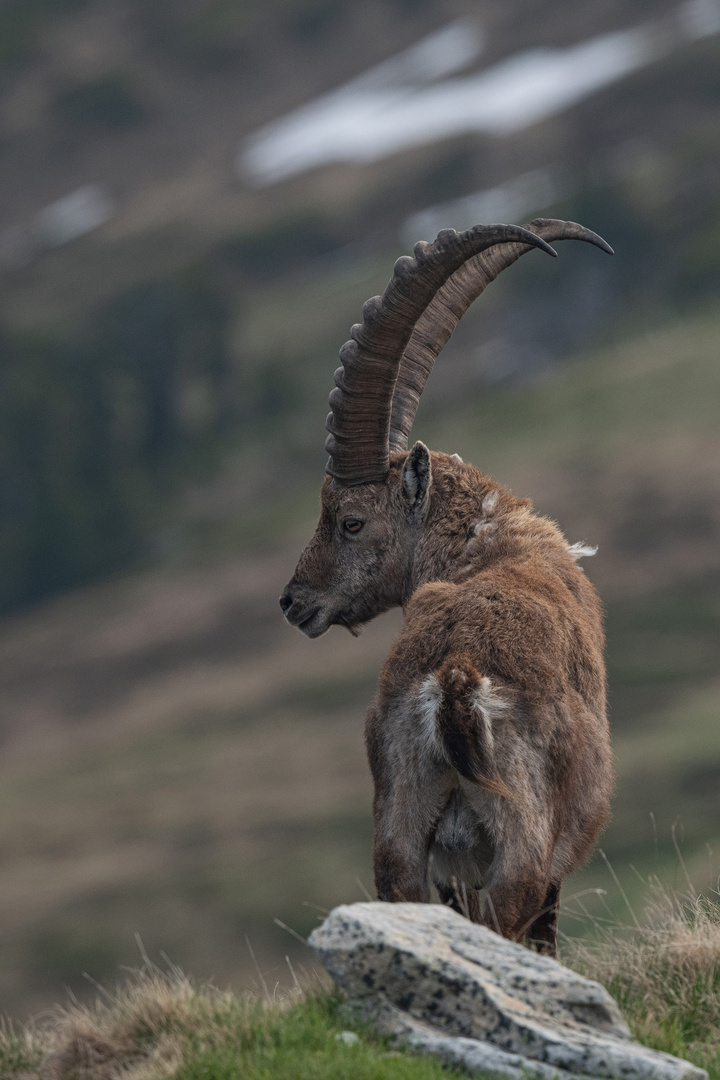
point(178, 763)
point(664, 970)
point(165, 1027)
point(199, 321)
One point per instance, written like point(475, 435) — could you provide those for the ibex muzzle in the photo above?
point(488, 740)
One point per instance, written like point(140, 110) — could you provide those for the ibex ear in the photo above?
point(416, 474)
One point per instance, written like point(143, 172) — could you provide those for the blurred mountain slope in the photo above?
point(176, 761)
point(195, 319)
point(179, 763)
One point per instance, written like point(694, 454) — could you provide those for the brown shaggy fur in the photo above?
point(487, 740)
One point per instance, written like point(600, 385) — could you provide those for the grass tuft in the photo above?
point(663, 969)
point(160, 1026)
point(21, 1050)
point(664, 972)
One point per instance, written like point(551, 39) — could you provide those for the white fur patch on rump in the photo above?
point(488, 705)
point(428, 704)
point(483, 700)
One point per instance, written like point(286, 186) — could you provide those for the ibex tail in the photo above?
point(464, 725)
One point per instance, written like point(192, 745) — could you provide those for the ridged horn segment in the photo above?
point(437, 322)
point(360, 404)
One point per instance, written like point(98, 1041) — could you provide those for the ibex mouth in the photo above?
point(295, 611)
point(312, 624)
point(308, 619)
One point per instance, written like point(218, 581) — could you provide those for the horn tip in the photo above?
point(571, 230)
point(544, 246)
point(528, 236)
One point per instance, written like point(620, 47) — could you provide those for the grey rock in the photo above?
point(441, 984)
point(348, 1037)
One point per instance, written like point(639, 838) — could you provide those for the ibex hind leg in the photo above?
point(542, 933)
point(513, 904)
point(403, 833)
point(407, 805)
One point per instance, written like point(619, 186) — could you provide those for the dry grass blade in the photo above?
point(363, 890)
point(615, 878)
point(289, 930)
point(259, 973)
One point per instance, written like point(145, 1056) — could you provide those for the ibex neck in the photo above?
point(471, 524)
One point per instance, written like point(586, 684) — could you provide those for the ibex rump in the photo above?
point(487, 739)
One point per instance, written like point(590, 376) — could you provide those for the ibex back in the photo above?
point(488, 740)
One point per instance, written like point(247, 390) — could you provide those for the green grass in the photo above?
point(300, 1043)
point(202, 847)
point(162, 1026)
point(663, 969)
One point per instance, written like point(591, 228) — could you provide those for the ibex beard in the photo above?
point(487, 739)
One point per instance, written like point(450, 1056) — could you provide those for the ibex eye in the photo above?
point(353, 525)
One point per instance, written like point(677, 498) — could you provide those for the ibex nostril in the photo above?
point(286, 602)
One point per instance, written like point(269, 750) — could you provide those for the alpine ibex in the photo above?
point(487, 739)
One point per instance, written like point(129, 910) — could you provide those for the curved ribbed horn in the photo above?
point(361, 403)
point(434, 327)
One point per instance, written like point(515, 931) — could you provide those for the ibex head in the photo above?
point(358, 562)
point(376, 501)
